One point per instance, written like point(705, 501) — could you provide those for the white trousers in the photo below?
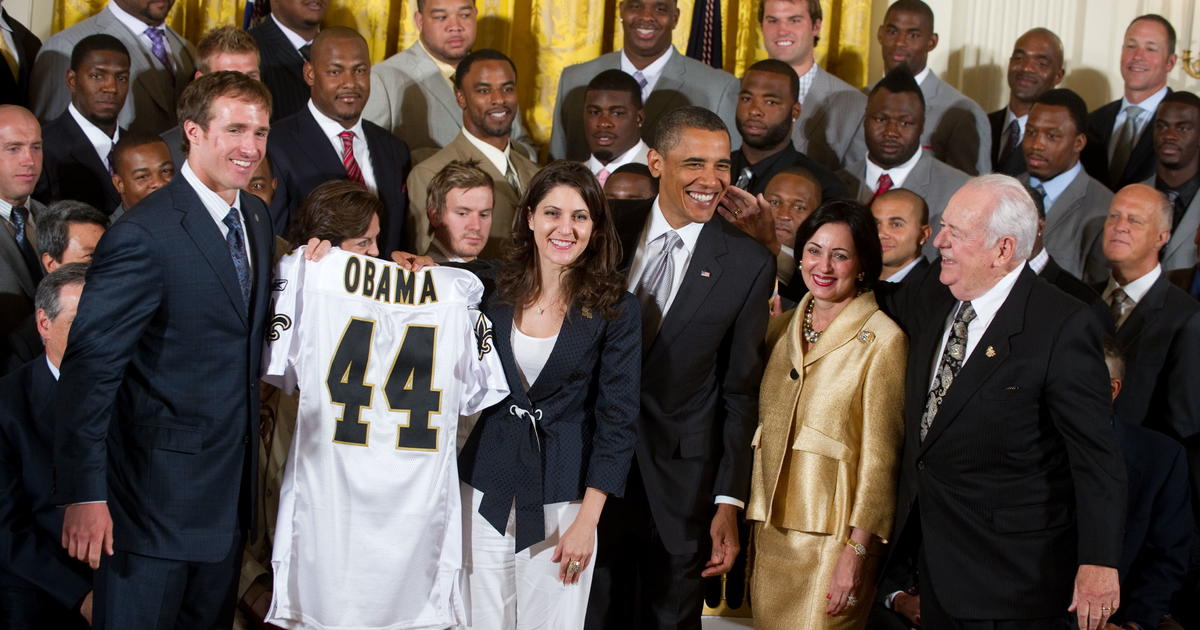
point(509, 590)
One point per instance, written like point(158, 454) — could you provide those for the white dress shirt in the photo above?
point(218, 209)
point(922, 75)
point(362, 153)
point(806, 81)
point(1055, 186)
point(1038, 263)
point(899, 276)
point(10, 43)
point(635, 154)
point(53, 368)
point(1009, 117)
point(293, 37)
point(986, 306)
point(785, 264)
point(138, 28)
point(898, 173)
point(499, 159)
point(1150, 105)
point(1136, 290)
point(100, 140)
point(652, 71)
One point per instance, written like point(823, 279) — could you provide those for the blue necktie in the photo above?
point(20, 217)
point(237, 251)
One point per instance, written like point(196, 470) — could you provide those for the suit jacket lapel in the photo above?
point(842, 330)
point(85, 153)
point(1185, 232)
point(1146, 310)
point(199, 225)
point(576, 328)
point(10, 256)
point(666, 96)
point(328, 161)
point(141, 64)
point(701, 275)
point(282, 46)
point(501, 315)
point(919, 179)
point(1063, 208)
point(442, 92)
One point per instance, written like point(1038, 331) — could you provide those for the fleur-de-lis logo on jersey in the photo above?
point(484, 336)
point(279, 323)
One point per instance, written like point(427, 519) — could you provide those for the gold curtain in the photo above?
point(542, 36)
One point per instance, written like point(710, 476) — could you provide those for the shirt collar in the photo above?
point(904, 271)
point(213, 202)
point(53, 368)
point(1137, 289)
point(1038, 263)
point(94, 134)
point(689, 233)
point(6, 210)
point(498, 158)
point(652, 70)
point(293, 37)
point(990, 302)
point(922, 75)
point(135, 25)
point(621, 160)
point(1009, 117)
point(806, 81)
point(1150, 104)
point(444, 68)
point(898, 173)
point(4, 24)
point(1057, 184)
point(330, 127)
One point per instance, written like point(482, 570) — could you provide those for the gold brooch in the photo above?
point(866, 336)
point(991, 352)
point(586, 312)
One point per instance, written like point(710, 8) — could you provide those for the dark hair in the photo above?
point(635, 168)
point(775, 66)
point(132, 140)
point(862, 230)
point(55, 223)
point(223, 40)
point(195, 104)
point(912, 6)
point(814, 11)
point(334, 211)
point(666, 135)
point(800, 171)
point(94, 43)
point(46, 298)
point(1166, 24)
point(614, 80)
point(1183, 97)
point(1114, 353)
point(483, 54)
point(898, 81)
point(592, 281)
point(1062, 97)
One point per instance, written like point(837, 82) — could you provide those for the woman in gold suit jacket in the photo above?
point(829, 436)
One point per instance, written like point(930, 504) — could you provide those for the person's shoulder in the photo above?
point(371, 130)
point(698, 70)
point(56, 130)
point(745, 247)
point(942, 170)
point(591, 67)
point(1179, 301)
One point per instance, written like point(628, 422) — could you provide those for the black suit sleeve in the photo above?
point(743, 355)
point(1181, 367)
point(122, 295)
point(618, 400)
point(282, 203)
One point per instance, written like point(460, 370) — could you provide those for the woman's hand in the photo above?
point(412, 262)
point(316, 249)
point(846, 583)
point(575, 545)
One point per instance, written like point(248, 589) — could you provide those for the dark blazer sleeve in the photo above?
point(618, 400)
point(745, 353)
point(1180, 370)
point(124, 290)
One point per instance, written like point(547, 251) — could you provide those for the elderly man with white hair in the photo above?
point(1012, 487)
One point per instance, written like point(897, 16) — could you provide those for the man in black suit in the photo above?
point(17, 56)
point(1035, 67)
point(77, 163)
point(702, 362)
point(156, 417)
point(1120, 140)
point(329, 139)
point(284, 41)
point(902, 218)
point(40, 585)
point(1012, 488)
point(20, 166)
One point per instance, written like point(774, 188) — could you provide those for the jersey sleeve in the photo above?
point(282, 339)
point(481, 373)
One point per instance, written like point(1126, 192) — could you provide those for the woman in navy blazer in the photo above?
point(540, 464)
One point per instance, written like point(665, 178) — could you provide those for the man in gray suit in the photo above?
point(20, 168)
point(161, 64)
point(668, 78)
point(1177, 174)
point(956, 129)
point(829, 129)
point(412, 92)
point(893, 129)
point(1076, 204)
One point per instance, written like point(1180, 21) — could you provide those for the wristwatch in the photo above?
point(858, 547)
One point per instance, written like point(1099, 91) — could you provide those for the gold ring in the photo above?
point(1105, 608)
point(574, 567)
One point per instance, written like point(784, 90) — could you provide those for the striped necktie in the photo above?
point(351, 165)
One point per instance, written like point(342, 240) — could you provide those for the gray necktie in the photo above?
point(654, 288)
point(510, 175)
point(1123, 147)
point(1119, 305)
point(952, 360)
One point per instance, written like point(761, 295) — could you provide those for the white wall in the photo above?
point(34, 14)
point(976, 39)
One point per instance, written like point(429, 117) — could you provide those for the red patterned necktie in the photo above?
point(884, 185)
point(348, 161)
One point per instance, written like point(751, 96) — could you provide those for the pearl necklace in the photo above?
point(810, 335)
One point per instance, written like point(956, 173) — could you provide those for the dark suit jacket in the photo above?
point(1158, 524)
point(302, 158)
point(157, 409)
point(19, 341)
point(832, 186)
point(1072, 286)
point(15, 90)
point(31, 551)
point(700, 378)
point(1183, 278)
point(282, 69)
point(1095, 154)
point(585, 403)
point(1015, 163)
point(71, 168)
point(1020, 478)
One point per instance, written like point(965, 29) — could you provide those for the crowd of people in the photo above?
point(864, 358)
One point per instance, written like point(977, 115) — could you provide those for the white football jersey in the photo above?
point(369, 532)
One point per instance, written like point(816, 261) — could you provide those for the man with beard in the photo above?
point(612, 122)
point(1177, 174)
point(412, 92)
point(328, 139)
point(1035, 67)
point(160, 64)
point(285, 40)
point(77, 163)
point(485, 86)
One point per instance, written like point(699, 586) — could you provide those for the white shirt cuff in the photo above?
point(887, 601)
point(729, 501)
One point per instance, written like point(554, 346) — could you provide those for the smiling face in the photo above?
point(906, 37)
point(98, 87)
point(1052, 144)
point(901, 231)
point(447, 28)
point(300, 15)
point(1145, 57)
point(792, 199)
point(142, 170)
point(1135, 230)
point(1035, 67)
point(612, 123)
point(225, 155)
point(693, 175)
point(364, 243)
point(489, 99)
point(829, 264)
point(1177, 135)
point(464, 224)
point(765, 110)
point(789, 32)
point(562, 226)
point(152, 12)
point(892, 127)
point(647, 26)
point(971, 264)
point(20, 154)
point(340, 77)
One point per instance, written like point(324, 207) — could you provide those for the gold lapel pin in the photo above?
point(991, 352)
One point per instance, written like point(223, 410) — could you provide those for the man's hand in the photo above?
point(725, 545)
point(412, 262)
point(752, 215)
point(1097, 595)
point(85, 607)
point(87, 528)
point(909, 606)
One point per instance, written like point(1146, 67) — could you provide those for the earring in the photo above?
point(861, 276)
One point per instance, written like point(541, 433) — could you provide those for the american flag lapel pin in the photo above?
point(705, 274)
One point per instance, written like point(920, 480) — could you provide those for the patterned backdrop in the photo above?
point(542, 36)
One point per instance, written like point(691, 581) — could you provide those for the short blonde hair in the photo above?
point(222, 40)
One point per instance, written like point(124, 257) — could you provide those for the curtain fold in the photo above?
point(541, 36)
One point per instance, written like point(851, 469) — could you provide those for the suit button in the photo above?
point(795, 375)
point(245, 439)
point(920, 464)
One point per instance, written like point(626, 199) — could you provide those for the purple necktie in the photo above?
point(158, 47)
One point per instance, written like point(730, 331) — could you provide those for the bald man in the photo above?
point(329, 139)
point(1035, 67)
point(20, 168)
